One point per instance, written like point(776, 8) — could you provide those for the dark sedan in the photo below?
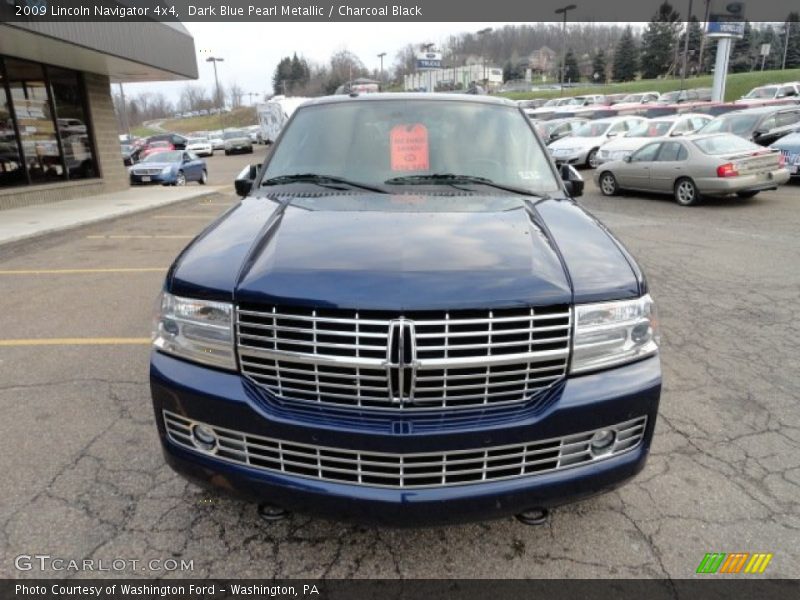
point(174, 167)
point(763, 125)
point(400, 325)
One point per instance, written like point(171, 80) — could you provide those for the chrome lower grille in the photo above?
point(147, 171)
point(418, 470)
point(410, 361)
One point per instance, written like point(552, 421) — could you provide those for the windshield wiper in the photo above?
point(329, 181)
point(453, 179)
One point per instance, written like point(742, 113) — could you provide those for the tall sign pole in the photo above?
point(725, 23)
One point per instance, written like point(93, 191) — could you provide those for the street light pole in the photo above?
point(381, 55)
point(563, 11)
point(788, 28)
point(686, 44)
point(482, 33)
point(214, 60)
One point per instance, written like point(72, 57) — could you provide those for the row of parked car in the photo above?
point(201, 143)
point(687, 154)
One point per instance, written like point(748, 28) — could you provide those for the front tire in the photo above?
point(746, 195)
point(608, 184)
point(227, 152)
point(685, 192)
point(591, 159)
point(203, 178)
point(180, 179)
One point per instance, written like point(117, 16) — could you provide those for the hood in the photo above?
point(152, 165)
point(571, 141)
point(400, 253)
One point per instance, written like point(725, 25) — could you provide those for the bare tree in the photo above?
point(235, 93)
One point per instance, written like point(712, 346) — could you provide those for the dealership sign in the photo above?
point(429, 60)
point(726, 19)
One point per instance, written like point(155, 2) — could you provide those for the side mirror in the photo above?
point(573, 182)
point(676, 133)
point(244, 180)
point(612, 134)
point(628, 158)
point(759, 132)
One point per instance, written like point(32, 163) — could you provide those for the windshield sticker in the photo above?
point(409, 147)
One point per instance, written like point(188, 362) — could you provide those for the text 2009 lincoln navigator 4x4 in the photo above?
point(407, 321)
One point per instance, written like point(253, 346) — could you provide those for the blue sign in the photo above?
point(428, 63)
point(725, 28)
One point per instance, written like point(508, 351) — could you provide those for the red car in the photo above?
point(154, 147)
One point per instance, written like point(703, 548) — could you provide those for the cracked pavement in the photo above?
point(84, 476)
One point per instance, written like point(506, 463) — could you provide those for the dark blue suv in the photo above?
point(407, 320)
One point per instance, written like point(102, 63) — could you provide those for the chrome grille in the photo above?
point(419, 470)
point(443, 360)
point(147, 171)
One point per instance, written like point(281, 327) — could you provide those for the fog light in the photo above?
point(602, 441)
point(204, 437)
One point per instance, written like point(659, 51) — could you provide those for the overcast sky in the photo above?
point(252, 50)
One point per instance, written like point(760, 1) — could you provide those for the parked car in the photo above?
point(613, 99)
point(789, 146)
point(581, 147)
point(691, 167)
point(763, 125)
point(670, 126)
point(378, 283)
point(592, 100)
point(555, 129)
point(685, 96)
point(237, 140)
point(154, 148)
point(254, 131)
point(174, 167)
point(549, 107)
point(127, 154)
point(215, 137)
point(767, 93)
point(200, 146)
point(637, 100)
point(177, 141)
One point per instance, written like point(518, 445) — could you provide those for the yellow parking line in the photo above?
point(80, 271)
point(76, 342)
point(139, 237)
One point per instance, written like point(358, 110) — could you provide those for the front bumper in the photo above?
point(226, 400)
point(160, 178)
point(572, 158)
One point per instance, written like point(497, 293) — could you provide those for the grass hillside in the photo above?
point(738, 84)
point(238, 117)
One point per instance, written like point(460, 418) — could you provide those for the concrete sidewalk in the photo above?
point(22, 223)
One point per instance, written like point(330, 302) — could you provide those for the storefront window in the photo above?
point(37, 128)
point(71, 122)
point(48, 108)
point(12, 169)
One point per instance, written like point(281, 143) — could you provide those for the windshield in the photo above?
point(160, 144)
point(738, 124)
point(196, 141)
point(372, 142)
point(669, 97)
point(233, 133)
point(553, 102)
point(724, 144)
point(650, 129)
point(632, 98)
point(763, 92)
point(169, 156)
point(592, 129)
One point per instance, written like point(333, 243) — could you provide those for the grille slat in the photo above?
point(417, 470)
point(459, 359)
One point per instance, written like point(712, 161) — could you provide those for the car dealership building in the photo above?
point(58, 132)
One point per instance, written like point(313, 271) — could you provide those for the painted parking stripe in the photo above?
point(139, 237)
point(187, 217)
point(75, 342)
point(80, 271)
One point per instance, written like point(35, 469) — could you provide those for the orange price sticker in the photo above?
point(409, 147)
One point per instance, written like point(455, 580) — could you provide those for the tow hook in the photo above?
point(272, 512)
point(534, 516)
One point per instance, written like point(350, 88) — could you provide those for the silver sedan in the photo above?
point(695, 166)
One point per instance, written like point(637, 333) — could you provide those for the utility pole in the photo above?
point(563, 11)
point(703, 38)
point(214, 60)
point(381, 55)
point(482, 33)
point(686, 44)
point(788, 28)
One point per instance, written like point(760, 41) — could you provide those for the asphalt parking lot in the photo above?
point(83, 475)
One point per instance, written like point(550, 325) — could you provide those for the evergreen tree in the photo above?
point(599, 68)
point(282, 76)
point(626, 58)
point(572, 73)
point(695, 31)
point(658, 42)
point(742, 58)
point(793, 51)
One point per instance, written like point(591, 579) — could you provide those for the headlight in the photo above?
point(609, 334)
point(166, 170)
point(197, 330)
